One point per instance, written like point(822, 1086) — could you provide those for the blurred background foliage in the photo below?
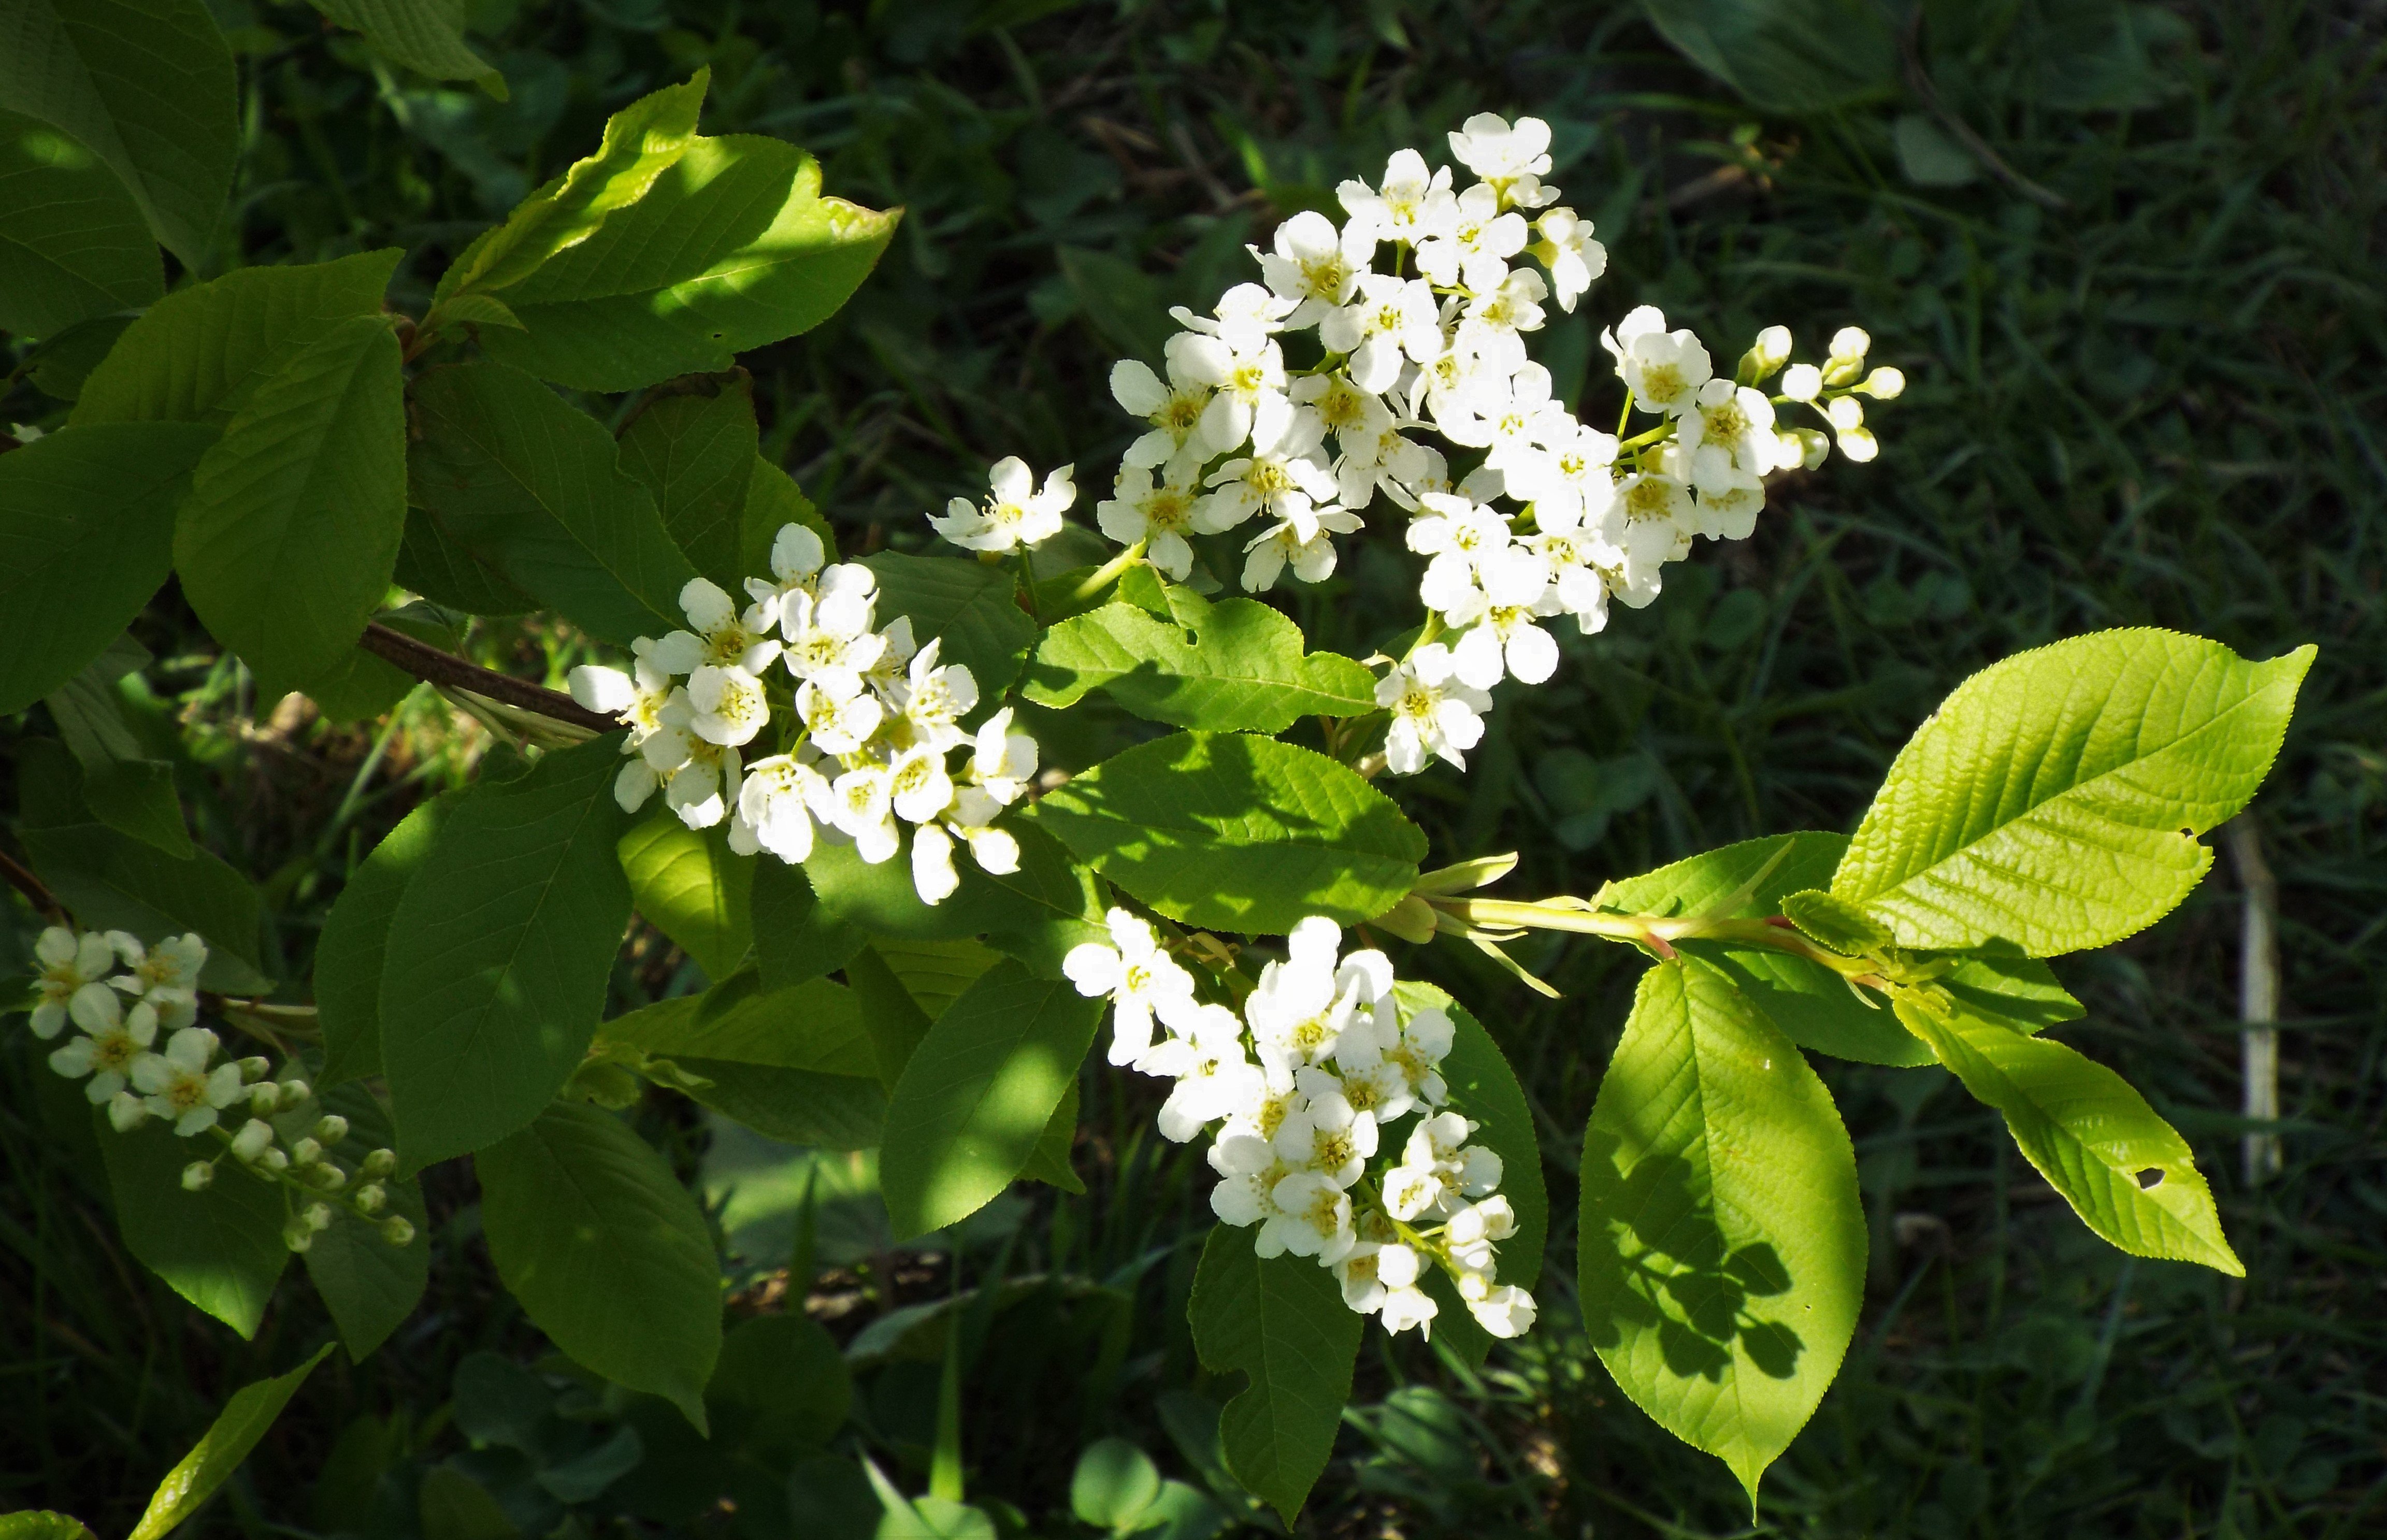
point(2129, 255)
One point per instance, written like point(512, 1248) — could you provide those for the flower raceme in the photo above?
point(1302, 1094)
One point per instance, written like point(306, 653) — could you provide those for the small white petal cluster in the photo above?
point(140, 1052)
point(1302, 1093)
point(873, 722)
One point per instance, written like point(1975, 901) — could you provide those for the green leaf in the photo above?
point(934, 974)
point(219, 1453)
point(1721, 1238)
point(1036, 912)
point(695, 454)
point(1113, 1483)
point(351, 950)
point(1835, 922)
point(197, 354)
point(894, 1019)
point(362, 687)
point(1282, 1320)
point(41, 1524)
point(795, 1107)
point(1237, 833)
point(733, 248)
point(499, 952)
point(977, 1093)
point(1791, 57)
point(452, 1505)
point(220, 1247)
point(86, 537)
point(973, 607)
point(2020, 993)
point(641, 142)
point(287, 541)
point(130, 793)
point(781, 1388)
point(2128, 1174)
point(1484, 1088)
point(368, 1286)
point(607, 1251)
point(436, 564)
point(72, 242)
point(424, 35)
point(815, 1026)
point(113, 882)
point(693, 888)
point(149, 86)
point(2052, 804)
point(774, 501)
point(795, 938)
point(58, 364)
point(1049, 1161)
point(514, 475)
point(1237, 664)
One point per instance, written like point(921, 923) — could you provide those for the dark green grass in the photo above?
point(2159, 403)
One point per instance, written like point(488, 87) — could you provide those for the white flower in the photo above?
point(917, 788)
point(1245, 315)
point(1403, 1308)
point(1392, 318)
point(796, 557)
point(1472, 251)
point(860, 806)
point(1435, 715)
point(1351, 414)
point(178, 1085)
point(1505, 639)
point(720, 635)
point(1286, 475)
point(1567, 250)
point(1389, 461)
point(1245, 1196)
point(1729, 501)
point(1665, 370)
point(1315, 266)
point(1371, 1269)
point(933, 876)
point(1411, 205)
point(67, 964)
point(634, 700)
point(1247, 387)
point(1567, 478)
point(776, 800)
point(1267, 554)
point(1156, 510)
point(1492, 323)
point(704, 787)
point(1729, 425)
point(1505, 1311)
point(896, 650)
point(1512, 422)
point(1018, 513)
point(1002, 762)
point(1328, 1135)
point(935, 697)
point(167, 975)
point(112, 1039)
point(839, 725)
point(1213, 1075)
point(1299, 1008)
point(730, 707)
point(830, 644)
point(1313, 1218)
point(1575, 558)
point(1174, 409)
point(1487, 146)
point(1652, 520)
point(1141, 979)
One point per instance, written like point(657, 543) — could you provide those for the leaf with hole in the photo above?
point(1282, 1320)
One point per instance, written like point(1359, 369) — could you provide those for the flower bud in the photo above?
point(1850, 342)
point(370, 1197)
point(196, 1175)
point(293, 1093)
point(380, 1163)
point(1770, 352)
point(1818, 447)
point(306, 1152)
point(1859, 444)
point(330, 1128)
point(253, 1139)
point(296, 1236)
point(328, 1177)
point(264, 1096)
point(1802, 382)
point(397, 1230)
point(317, 1216)
point(1845, 412)
point(273, 1159)
point(1885, 384)
point(255, 1069)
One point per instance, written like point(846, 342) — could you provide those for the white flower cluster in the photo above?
point(1304, 1089)
point(119, 1016)
point(1421, 302)
point(875, 717)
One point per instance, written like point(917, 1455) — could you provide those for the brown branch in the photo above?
point(425, 661)
point(36, 891)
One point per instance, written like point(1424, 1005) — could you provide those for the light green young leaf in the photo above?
point(219, 1453)
point(1237, 833)
point(695, 454)
point(220, 1247)
point(368, 1286)
point(1237, 664)
point(424, 35)
point(41, 1524)
point(355, 939)
point(794, 1107)
point(1836, 922)
point(795, 937)
point(1282, 1320)
point(2052, 804)
point(148, 85)
point(131, 793)
point(773, 501)
point(2128, 1174)
point(72, 242)
point(287, 540)
point(1114, 1486)
point(732, 248)
point(814, 1026)
point(976, 1097)
point(195, 356)
point(641, 142)
point(693, 888)
point(1036, 912)
point(607, 1251)
point(86, 537)
point(1721, 1238)
point(499, 954)
point(510, 472)
point(114, 882)
point(973, 607)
